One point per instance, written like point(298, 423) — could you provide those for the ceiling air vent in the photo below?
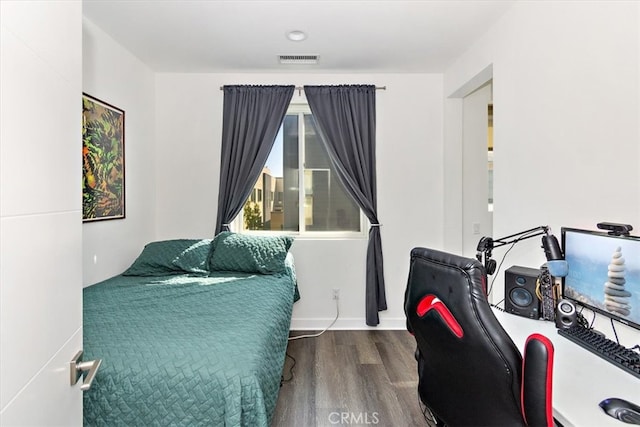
point(298, 59)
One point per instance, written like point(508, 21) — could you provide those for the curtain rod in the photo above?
point(300, 89)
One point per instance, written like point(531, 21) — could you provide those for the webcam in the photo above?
point(615, 229)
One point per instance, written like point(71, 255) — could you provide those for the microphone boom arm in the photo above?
point(523, 235)
point(487, 244)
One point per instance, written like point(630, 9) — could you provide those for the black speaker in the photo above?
point(520, 291)
point(566, 315)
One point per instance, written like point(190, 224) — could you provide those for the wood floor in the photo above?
point(364, 378)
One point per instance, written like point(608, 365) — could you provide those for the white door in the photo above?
point(476, 219)
point(40, 211)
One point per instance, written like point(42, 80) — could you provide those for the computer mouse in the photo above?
point(621, 409)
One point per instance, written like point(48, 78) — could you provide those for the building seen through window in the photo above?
point(298, 190)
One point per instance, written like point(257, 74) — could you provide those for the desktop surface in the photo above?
point(581, 379)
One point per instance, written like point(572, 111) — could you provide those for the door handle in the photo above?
point(78, 367)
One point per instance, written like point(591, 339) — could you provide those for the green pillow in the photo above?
point(157, 258)
point(249, 254)
point(194, 258)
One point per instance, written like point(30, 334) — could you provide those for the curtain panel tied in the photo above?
point(345, 116)
point(251, 119)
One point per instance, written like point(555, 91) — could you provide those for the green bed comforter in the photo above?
point(181, 350)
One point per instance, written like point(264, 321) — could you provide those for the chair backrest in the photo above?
point(469, 368)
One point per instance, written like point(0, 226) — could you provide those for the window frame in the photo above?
point(301, 109)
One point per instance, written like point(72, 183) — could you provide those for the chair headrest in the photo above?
point(432, 302)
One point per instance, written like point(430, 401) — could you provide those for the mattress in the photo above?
point(184, 350)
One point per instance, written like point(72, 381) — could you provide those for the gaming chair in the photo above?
point(470, 371)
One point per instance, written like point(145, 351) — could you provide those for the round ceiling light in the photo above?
point(296, 35)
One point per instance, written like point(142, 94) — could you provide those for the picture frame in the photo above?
point(103, 165)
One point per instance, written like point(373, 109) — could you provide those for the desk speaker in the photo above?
point(566, 315)
point(520, 291)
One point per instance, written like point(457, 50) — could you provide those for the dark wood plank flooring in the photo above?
point(350, 378)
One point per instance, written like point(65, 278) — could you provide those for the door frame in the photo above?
point(453, 154)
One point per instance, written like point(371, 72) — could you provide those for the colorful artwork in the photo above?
point(102, 160)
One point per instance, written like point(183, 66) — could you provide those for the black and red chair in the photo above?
point(470, 371)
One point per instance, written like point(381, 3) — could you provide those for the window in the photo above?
point(302, 193)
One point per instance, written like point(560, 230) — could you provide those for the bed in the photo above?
point(193, 333)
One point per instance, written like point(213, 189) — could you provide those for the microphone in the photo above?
point(558, 267)
point(551, 248)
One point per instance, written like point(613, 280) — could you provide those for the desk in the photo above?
point(580, 378)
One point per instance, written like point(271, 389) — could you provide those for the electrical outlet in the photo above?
point(476, 228)
point(336, 294)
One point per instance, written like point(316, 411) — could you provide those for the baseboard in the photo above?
point(355, 323)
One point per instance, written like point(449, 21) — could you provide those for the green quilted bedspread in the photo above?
point(181, 350)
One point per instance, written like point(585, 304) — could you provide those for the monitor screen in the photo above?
point(604, 273)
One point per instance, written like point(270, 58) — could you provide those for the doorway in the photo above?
point(477, 167)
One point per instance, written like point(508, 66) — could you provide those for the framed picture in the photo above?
point(102, 160)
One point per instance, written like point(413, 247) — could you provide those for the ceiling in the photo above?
point(375, 36)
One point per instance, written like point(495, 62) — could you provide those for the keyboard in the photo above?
point(607, 349)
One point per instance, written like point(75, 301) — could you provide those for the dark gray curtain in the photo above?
point(346, 120)
point(251, 118)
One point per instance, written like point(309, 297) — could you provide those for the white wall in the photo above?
point(40, 211)
point(410, 183)
point(115, 76)
point(566, 107)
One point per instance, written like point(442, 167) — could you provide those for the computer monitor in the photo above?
point(604, 273)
